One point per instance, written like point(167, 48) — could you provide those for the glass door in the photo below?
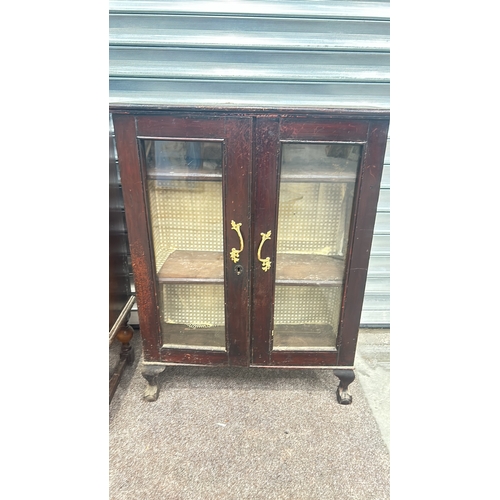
point(189, 231)
point(316, 193)
point(185, 204)
point(303, 241)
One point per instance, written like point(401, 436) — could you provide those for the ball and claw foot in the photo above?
point(150, 373)
point(346, 377)
point(343, 397)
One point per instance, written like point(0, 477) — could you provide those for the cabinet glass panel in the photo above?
point(184, 188)
point(314, 213)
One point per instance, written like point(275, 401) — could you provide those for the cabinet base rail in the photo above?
point(150, 372)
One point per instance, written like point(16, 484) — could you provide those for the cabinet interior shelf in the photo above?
point(319, 175)
point(319, 170)
point(185, 173)
point(185, 267)
point(298, 175)
point(183, 336)
point(286, 337)
point(304, 338)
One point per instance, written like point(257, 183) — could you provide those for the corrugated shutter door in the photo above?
point(260, 54)
point(376, 306)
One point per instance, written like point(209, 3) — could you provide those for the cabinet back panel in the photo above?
point(185, 215)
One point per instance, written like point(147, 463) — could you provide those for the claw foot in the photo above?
point(150, 373)
point(346, 377)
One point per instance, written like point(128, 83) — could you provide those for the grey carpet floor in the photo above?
point(238, 433)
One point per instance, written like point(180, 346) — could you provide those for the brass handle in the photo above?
point(235, 254)
point(266, 263)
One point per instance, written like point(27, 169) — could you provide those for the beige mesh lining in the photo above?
point(202, 306)
point(305, 305)
point(185, 215)
point(312, 218)
point(198, 306)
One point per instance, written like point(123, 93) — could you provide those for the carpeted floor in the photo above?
point(229, 433)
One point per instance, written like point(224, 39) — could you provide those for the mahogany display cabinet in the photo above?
point(250, 235)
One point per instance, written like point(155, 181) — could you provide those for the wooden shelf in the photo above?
point(316, 270)
point(212, 175)
point(184, 173)
point(304, 338)
point(184, 267)
point(286, 337)
point(183, 336)
point(207, 175)
point(325, 171)
point(318, 176)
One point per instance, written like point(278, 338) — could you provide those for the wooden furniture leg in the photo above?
point(150, 373)
point(346, 376)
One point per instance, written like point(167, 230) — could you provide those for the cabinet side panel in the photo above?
point(137, 224)
point(361, 241)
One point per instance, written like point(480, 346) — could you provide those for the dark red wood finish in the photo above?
point(304, 358)
point(321, 129)
point(180, 127)
point(264, 208)
point(251, 189)
point(236, 188)
point(360, 241)
point(236, 134)
point(269, 134)
point(194, 356)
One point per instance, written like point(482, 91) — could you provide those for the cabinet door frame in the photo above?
point(270, 132)
point(236, 135)
point(251, 176)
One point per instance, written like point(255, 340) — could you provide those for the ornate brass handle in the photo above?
point(266, 263)
point(235, 254)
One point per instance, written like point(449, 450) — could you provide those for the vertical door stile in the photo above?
point(238, 133)
point(264, 207)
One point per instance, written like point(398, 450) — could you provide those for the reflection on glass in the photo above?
point(185, 210)
point(177, 157)
point(315, 205)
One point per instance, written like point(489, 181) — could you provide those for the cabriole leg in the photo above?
point(150, 373)
point(346, 377)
